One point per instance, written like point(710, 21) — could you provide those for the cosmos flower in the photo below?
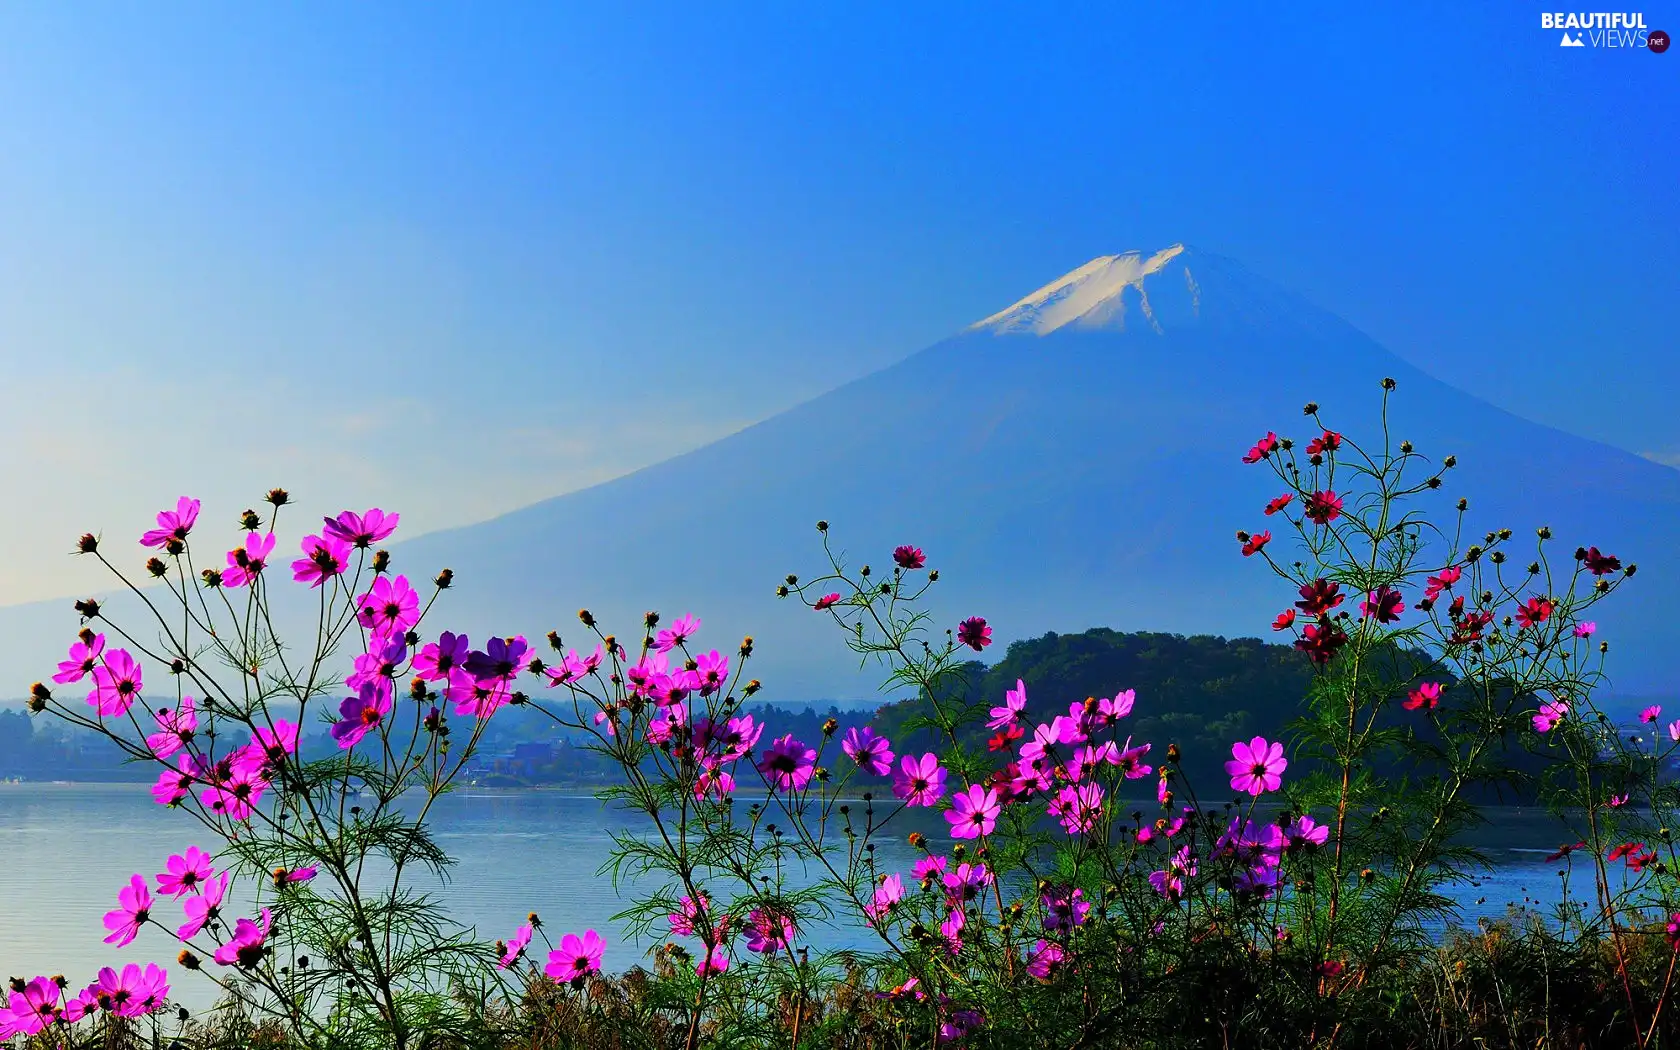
point(974, 633)
point(1045, 957)
point(1279, 503)
point(1169, 882)
point(82, 659)
point(908, 557)
point(1651, 714)
point(826, 601)
point(1262, 448)
point(1600, 564)
point(175, 729)
point(929, 868)
point(133, 992)
point(1256, 543)
point(515, 947)
point(1534, 612)
point(1550, 714)
point(389, 607)
point(1322, 507)
point(768, 931)
point(245, 947)
point(361, 713)
point(501, 660)
point(436, 659)
point(1064, 909)
point(1426, 696)
point(32, 1008)
point(1303, 832)
point(203, 907)
point(173, 525)
point(323, 558)
point(872, 753)
point(576, 958)
point(1014, 702)
point(1329, 441)
point(1285, 620)
point(788, 764)
point(1256, 766)
point(680, 631)
point(1319, 597)
point(1584, 629)
point(1564, 851)
point(1320, 642)
point(186, 873)
point(117, 682)
point(888, 894)
point(1079, 807)
point(134, 907)
point(360, 530)
point(246, 563)
point(919, 781)
point(973, 813)
point(1384, 604)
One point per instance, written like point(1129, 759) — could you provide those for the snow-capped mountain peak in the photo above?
point(1096, 295)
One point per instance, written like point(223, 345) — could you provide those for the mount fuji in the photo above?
point(1071, 461)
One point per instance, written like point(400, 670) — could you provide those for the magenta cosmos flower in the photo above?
point(515, 947)
point(974, 633)
point(872, 753)
point(361, 713)
point(1046, 956)
point(323, 558)
point(826, 601)
point(360, 530)
point(887, 896)
point(1256, 767)
point(31, 1010)
point(1014, 702)
point(134, 907)
point(133, 992)
point(788, 764)
point(681, 630)
point(919, 781)
point(175, 729)
point(117, 683)
point(389, 608)
point(186, 873)
point(201, 908)
point(909, 557)
point(1384, 604)
point(173, 525)
point(973, 812)
point(245, 948)
point(769, 932)
point(435, 660)
point(576, 958)
point(245, 564)
point(1651, 714)
point(1550, 714)
point(82, 659)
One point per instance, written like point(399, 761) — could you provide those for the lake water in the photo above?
point(66, 849)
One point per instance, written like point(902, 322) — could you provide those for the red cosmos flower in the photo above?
point(1256, 544)
point(1323, 507)
point(974, 633)
point(1638, 861)
point(1600, 564)
point(1564, 851)
point(1330, 442)
point(1003, 738)
point(1436, 584)
point(1427, 695)
point(1535, 612)
point(1383, 603)
point(1320, 642)
point(1319, 597)
point(1262, 448)
point(908, 557)
point(826, 601)
point(1626, 849)
point(1278, 504)
point(1285, 620)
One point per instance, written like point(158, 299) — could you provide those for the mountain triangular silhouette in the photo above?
point(1070, 461)
point(1571, 41)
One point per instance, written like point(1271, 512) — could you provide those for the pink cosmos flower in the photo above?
point(85, 1004)
point(323, 558)
point(173, 525)
point(1079, 807)
point(245, 947)
point(501, 660)
point(436, 659)
point(712, 671)
point(1384, 604)
point(237, 794)
point(1046, 956)
point(873, 754)
point(175, 729)
point(1304, 833)
point(1130, 761)
point(1322, 507)
point(788, 764)
point(974, 633)
point(480, 699)
point(246, 563)
point(1534, 612)
point(1147, 832)
point(134, 907)
point(1014, 702)
point(692, 915)
point(83, 658)
point(389, 608)
point(973, 813)
point(719, 782)
point(1584, 629)
point(297, 876)
point(1262, 448)
point(173, 785)
point(929, 868)
point(360, 530)
point(1169, 882)
point(576, 958)
point(1674, 731)
point(681, 630)
point(116, 684)
point(740, 736)
point(203, 907)
point(187, 872)
point(1255, 882)
point(966, 883)
point(1427, 695)
point(134, 992)
point(827, 601)
point(769, 932)
point(515, 947)
point(908, 557)
point(31, 1010)
point(919, 781)
point(1111, 711)
point(1550, 714)
point(888, 894)
point(1256, 767)
point(575, 668)
point(1064, 909)
point(1673, 931)
point(275, 744)
point(1651, 714)
point(1046, 737)
point(360, 713)
point(716, 960)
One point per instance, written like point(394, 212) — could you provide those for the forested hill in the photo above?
point(1198, 691)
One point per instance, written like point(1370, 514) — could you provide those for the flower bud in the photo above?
point(187, 959)
point(1309, 408)
point(88, 543)
point(249, 520)
point(933, 577)
point(278, 497)
point(1405, 448)
point(822, 526)
point(156, 567)
point(443, 579)
point(752, 687)
point(1173, 753)
point(89, 608)
point(917, 840)
point(586, 618)
point(381, 561)
point(781, 592)
point(746, 646)
point(650, 620)
point(212, 577)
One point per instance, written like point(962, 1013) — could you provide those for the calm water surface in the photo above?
point(66, 849)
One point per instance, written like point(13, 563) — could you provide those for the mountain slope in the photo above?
point(1070, 461)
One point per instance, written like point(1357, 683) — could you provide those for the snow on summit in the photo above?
point(1096, 295)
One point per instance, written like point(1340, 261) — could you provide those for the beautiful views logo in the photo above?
point(1625, 29)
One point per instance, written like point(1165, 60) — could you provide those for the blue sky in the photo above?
point(454, 259)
